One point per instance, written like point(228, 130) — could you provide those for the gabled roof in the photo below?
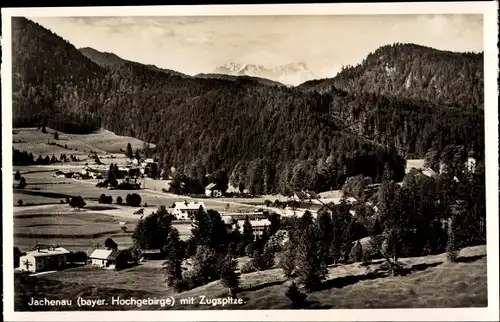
point(100, 254)
point(114, 254)
point(301, 195)
point(210, 186)
point(48, 252)
point(311, 194)
point(182, 205)
point(151, 251)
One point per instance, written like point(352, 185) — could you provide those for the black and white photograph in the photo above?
point(250, 160)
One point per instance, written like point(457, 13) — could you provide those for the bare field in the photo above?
point(432, 282)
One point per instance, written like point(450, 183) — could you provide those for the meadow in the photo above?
point(428, 282)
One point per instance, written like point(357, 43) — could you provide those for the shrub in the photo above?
point(77, 202)
point(20, 202)
point(133, 200)
point(105, 199)
point(17, 176)
point(79, 257)
point(119, 200)
point(267, 202)
point(22, 183)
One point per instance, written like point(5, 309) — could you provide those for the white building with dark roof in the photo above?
point(184, 210)
point(108, 258)
point(212, 191)
point(44, 259)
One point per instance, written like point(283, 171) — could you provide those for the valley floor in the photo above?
point(430, 282)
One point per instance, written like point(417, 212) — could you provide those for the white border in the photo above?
point(490, 313)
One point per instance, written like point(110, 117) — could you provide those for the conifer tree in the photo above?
point(230, 278)
point(129, 153)
point(297, 298)
point(173, 264)
point(310, 264)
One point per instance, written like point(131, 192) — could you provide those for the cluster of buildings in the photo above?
point(43, 258)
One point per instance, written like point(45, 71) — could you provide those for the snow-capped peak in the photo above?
point(291, 73)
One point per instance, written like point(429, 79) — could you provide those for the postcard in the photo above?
point(258, 163)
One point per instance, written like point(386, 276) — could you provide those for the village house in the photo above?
point(300, 209)
point(46, 258)
point(89, 172)
point(152, 254)
point(186, 210)
point(109, 259)
point(471, 164)
point(59, 174)
point(212, 191)
point(258, 225)
point(307, 196)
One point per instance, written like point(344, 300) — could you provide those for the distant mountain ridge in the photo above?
point(109, 60)
point(236, 78)
point(288, 74)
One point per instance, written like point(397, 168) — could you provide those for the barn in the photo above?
point(110, 259)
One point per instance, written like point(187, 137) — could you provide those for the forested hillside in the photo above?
point(413, 126)
point(416, 72)
point(52, 81)
point(266, 138)
point(106, 60)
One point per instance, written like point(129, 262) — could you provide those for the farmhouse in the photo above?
point(44, 259)
point(212, 191)
point(471, 164)
point(152, 254)
point(69, 174)
point(59, 174)
point(110, 259)
point(88, 171)
point(186, 210)
point(304, 196)
point(300, 209)
point(257, 225)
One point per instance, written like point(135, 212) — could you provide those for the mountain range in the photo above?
point(289, 74)
point(404, 100)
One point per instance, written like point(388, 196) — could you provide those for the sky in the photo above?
point(199, 44)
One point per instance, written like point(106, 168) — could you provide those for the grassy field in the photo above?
point(102, 142)
point(430, 282)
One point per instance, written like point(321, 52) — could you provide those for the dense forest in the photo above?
point(266, 138)
point(416, 72)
